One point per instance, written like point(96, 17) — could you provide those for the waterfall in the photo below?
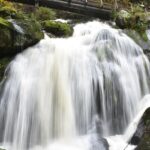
point(69, 93)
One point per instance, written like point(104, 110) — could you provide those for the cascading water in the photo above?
point(148, 34)
point(67, 93)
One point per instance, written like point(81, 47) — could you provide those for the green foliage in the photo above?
point(136, 9)
point(141, 27)
point(6, 8)
point(6, 29)
point(43, 13)
point(4, 22)
point(57, 28)
point(135, 18)
point(32, 28)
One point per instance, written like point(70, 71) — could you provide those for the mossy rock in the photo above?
point(58, 29)
point(12, 41)
point(146, 118)
point(133, 19)
point(3, 64)
point(6, 41)
point(145, 140)
point(144, 143)
point(32, 31)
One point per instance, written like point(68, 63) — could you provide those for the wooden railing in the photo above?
point(89, 7)
point(93, 3)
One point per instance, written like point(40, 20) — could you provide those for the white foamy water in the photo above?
point(69, 93)
point(118, 142)
point(148, 34)
point(62, 20)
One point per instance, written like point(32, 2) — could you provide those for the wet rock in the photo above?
point(144, 143)
point(138, 134)
point(99, 143)
point(121, 19)
point(141, 138)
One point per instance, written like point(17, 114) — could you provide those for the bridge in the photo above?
point(85, 7)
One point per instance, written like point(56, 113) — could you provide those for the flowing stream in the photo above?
point(71, 93)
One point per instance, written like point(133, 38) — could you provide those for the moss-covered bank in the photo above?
point(17, 29)
point(22, 26)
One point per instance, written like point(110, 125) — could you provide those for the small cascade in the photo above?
point(16, 26)
point(148, 34)
point(71, 93)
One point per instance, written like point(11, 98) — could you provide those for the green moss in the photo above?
point(6, 29)
point(57, 28)
point(3, 64)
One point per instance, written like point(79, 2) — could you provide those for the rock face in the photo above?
point(141, 138)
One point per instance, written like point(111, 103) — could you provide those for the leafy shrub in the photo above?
point(43, 13)
point(6, 8)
